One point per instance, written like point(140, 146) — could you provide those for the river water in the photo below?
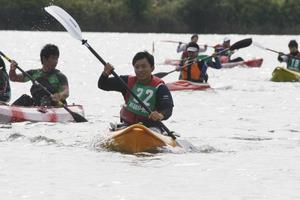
point(246, 130)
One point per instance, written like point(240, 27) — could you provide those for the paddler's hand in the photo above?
point(214, 55)
point(156, 116)
point(56, 97)
point(13, 65)
point(107, 69)
point(178, 68)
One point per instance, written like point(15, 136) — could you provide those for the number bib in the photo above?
point(148, 96)
point(294, 64)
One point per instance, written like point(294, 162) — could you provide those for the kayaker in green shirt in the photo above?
point(5, 92)
point(293, 58)
point(48, 76)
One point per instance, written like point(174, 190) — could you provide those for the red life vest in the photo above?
point(128, 116)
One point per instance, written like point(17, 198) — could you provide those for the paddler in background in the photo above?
point(183, 48)
point(293, 58)
point(48, 76)
point(150, 89)
point(225, 56)
point(5, 92)
point(194, 69)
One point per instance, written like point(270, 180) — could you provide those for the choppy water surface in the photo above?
point(246, 132)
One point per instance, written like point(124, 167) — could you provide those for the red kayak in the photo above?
point(248, 63)
point(187, 85)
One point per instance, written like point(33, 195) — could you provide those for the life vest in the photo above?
point(294, 64)
point(132, 112)
point(219, 47)
point(191, 72)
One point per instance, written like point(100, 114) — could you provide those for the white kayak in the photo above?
point(9, 114)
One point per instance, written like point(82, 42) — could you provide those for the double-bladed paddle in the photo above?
point(272, 50)
point(172, 41)
point(238, 45)
point(73, 28)
point(77, 117)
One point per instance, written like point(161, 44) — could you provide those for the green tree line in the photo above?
point(173, 16)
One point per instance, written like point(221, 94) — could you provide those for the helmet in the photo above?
point(226, 39)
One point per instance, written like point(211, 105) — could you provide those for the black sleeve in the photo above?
point(63, 79)
point(164, 101)
point(30, 73)
point(217, 64)
point(2, 63)
point(112, 84)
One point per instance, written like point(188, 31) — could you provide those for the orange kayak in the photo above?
point(136, 139)
point(187, 85)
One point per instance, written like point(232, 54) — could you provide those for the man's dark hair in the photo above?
point(142, 55)
point(48, 50)
point(193, 36)
point(293, 43)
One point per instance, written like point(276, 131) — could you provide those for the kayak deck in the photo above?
point(281, 74)
point(187, 85)
point(11, 114)
point(136, 139)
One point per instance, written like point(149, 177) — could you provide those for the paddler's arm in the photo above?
point(164, 104)
point(203, 49)
point(282, 58)
point(63, 93)
point(111, 84)
point(217, 64)
point(13, 76)
point(60, 96)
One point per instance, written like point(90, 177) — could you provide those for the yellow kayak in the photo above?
point(281, 74)
point(137, 138)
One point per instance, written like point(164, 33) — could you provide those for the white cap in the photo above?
point(226, 39)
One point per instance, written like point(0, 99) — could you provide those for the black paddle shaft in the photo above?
point(84, 42)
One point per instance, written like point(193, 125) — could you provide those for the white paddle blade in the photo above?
point(66, 20)
point(259, 45)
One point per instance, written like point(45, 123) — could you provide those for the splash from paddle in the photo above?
point(236, 46)
point(73, 28)
point(77, 117)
